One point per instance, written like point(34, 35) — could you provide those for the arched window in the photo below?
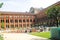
point(20, 20)
point(2, 20)
point(7, 26)
point(16, 21)
point(23, 20)
point(7, 21)
point(30, 20)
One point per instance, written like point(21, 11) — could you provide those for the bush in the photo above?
point(55, 33)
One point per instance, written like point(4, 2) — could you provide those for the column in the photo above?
point(22, 23)
point(18, 22)
point(4, 22)
point(26, 22)
point(14, 20)
point(9, 22)
point(29, 22)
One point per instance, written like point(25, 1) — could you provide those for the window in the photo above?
point(16, 25)
point(23, 20)
point(31, 24)
point(27, 25)
point(30, 20)
point(2, 20)
point(16, 21)
point(20, 20)
point(7, 21)
point(33, 20)
point(11, 21)
point(7, 26)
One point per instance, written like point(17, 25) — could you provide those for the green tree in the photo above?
point(2, 24)
point(1, 5)
point(0, 14)
point(54, 12)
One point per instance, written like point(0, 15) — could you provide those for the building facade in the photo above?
point(16, 20)
point(42, 18)
point(25, 19)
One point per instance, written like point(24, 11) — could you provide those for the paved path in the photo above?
point(21, 36)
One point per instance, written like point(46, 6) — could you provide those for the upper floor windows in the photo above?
point(16, 21)
point(7, 21)
point(2, 20)
point(23, 20)
point(11, 21)
point(30, 20)
point(20, 20)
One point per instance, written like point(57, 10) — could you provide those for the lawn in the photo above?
point(41, 34)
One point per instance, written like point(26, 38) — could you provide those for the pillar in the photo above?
point(22, 23)
point(18, 22)
point(4, 22)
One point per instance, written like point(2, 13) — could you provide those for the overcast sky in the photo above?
point(24, 5)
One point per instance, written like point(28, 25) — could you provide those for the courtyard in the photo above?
point(21, 36)
point(36, 24)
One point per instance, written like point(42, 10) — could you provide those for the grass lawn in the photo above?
point(41, 34)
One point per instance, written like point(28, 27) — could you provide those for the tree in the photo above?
point(54, 12)
point(31, 10)
point(2, 22)
point(1, 5)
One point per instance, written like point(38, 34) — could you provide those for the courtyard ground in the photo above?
point(42, 34)
point(21, 36)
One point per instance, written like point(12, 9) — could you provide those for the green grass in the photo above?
point(1, 38)
point(41, 34)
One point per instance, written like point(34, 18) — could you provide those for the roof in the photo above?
point(17, 13)
point(42, 12)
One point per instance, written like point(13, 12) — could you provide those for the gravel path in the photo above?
point(21, 36)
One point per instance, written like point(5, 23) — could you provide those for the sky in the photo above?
point(25, 5)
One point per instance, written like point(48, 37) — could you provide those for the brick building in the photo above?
point(24, 19)
point(16, 19)
point(42, 19)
